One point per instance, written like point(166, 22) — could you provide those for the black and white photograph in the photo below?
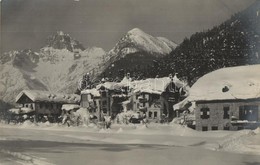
point(130, 82)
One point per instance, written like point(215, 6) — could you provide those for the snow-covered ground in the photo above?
point(126, 144)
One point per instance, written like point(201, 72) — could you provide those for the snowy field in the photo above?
point(126, 144)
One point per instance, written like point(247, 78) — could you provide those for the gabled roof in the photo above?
point(233, 83)
point(156, 85)
point(150, 85)
point(46, 96)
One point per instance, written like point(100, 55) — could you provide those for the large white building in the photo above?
point(228, 99)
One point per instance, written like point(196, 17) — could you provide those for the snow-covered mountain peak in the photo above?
point(61, 40)
point(137, 31)
point(137, 41)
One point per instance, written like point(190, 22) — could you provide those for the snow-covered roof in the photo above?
point(155, 85)
point(112, 85)
point(36, 95)
point(126, 81)
point(231, 83)
point(68, 107)
point(27, 110)
point(107, 85)
point(185, 104)
point(14, 110)
point(150, 85)
point(92, 91)
point(22, 110)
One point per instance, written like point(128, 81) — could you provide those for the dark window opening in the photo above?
point(214, 128)
point(248, 112)
point(104, 110)
point(204, 113)
point(226, 128)
point(204, 128)
point(136, 97)
point(240, 128)
point(155, 114)
point(225, 89)
point(84, 97)
point(104, 102)
point(104, 94)
point(155, 98)
point(51, 106)
point(226, 112)
point(150, 114)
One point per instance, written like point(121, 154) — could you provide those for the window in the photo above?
point(51, 106)
point(214, 128)
point(136, 97)
point(156, 97)
point(150, 114)
point(226, 128)
point(204, 113)
point(103, 94)
point(104, 102)
point(226, 113)
point(155, 114)
point(104, 110)
point(84, 97)
point(205, 128)
point(248, 112)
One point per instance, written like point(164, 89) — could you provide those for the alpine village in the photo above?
point(211, 81)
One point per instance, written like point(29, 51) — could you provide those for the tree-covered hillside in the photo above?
point(234, 42)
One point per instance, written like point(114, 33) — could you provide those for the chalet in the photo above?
point(227, 99)
point(156, 97)
point(91, 99)
point(44, 102)
point(105, 99)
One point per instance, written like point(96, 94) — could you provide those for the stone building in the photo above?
point(227, 99)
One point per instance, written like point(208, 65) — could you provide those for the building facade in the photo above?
point(227, 99)
point(45, 103)
point(227, 115)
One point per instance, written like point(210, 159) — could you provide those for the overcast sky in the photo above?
point(101, 23)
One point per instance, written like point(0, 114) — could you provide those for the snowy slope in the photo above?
point(137, 40)
point(63, 61)
point(136, 51)
point(50, 68)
